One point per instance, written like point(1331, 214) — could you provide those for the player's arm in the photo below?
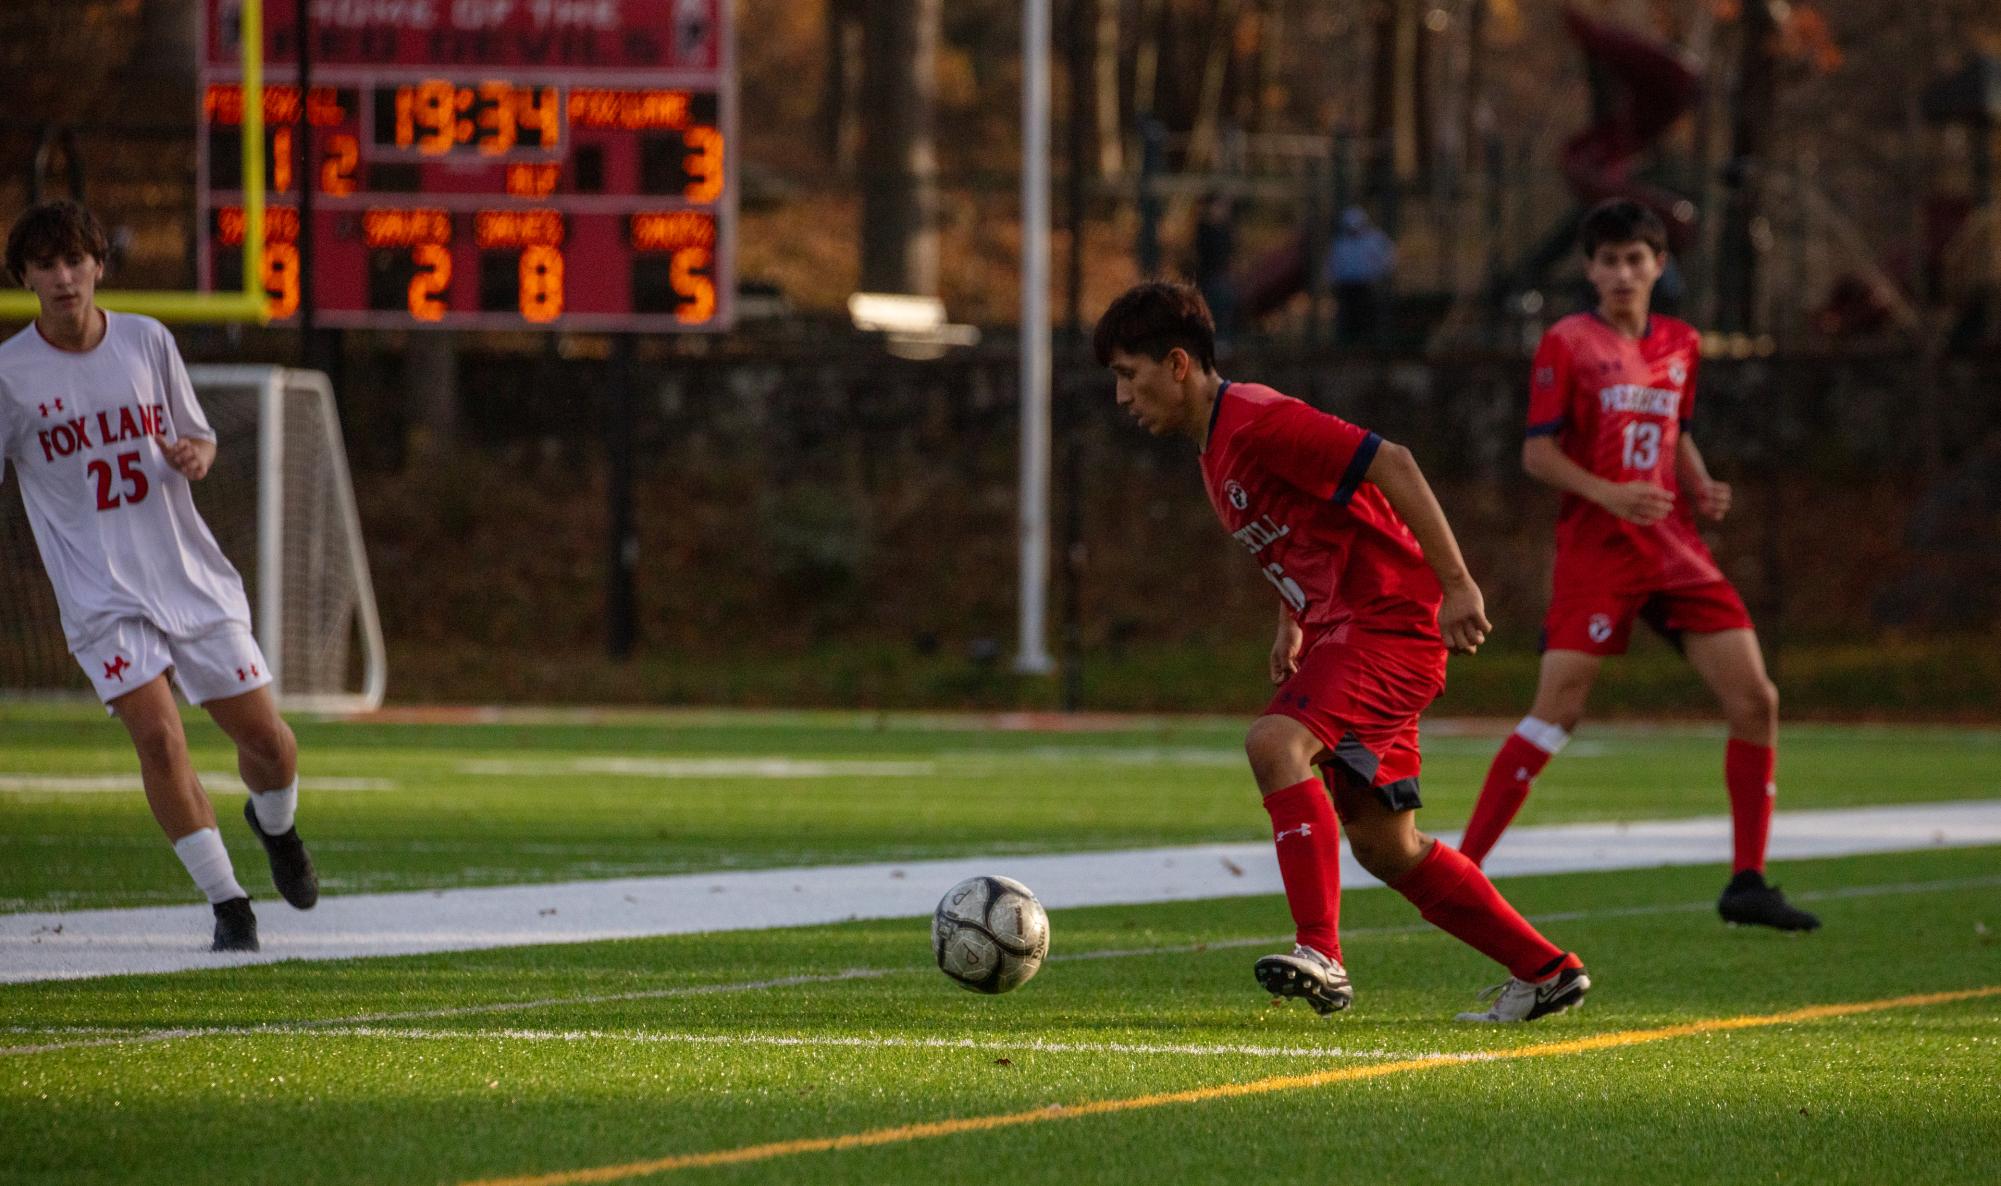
point(1636, 502)
point(1285, 648)
point(1712, 498)
point(1462, 617)
point(189, 442)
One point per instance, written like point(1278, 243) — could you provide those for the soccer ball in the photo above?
point(990, 934)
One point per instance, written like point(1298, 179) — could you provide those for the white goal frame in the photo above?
point(283, 391)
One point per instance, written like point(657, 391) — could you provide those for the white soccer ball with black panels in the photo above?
point(990, 934)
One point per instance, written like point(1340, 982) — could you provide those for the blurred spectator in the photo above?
point(1215, 248)
point(1359, 265)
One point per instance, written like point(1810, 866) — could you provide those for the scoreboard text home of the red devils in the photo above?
point(484, 164)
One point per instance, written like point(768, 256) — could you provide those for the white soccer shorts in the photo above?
point(224, 662)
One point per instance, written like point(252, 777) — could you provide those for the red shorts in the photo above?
point(1362, 702)
point(1602, 623)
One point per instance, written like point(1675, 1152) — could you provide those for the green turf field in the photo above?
point(416, 1070)
point(1144, 1052)
point(501, 804)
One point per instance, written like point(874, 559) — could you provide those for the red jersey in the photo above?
point(1286, 480)
point(1618, 407)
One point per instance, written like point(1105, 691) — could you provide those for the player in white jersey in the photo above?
point(101, 425)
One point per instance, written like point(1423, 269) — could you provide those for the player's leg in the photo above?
point(226, 673)
point(1452, 894)
point(1307, 838)
point(174, 794)
point(1562, 689)
point(1733, 666)
point(267, 756)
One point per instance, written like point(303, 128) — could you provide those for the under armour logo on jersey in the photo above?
point(117, 668)
point(1600, 628)
point(1302, 830)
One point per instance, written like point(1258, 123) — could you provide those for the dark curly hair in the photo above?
point(1155, 318)
point(1621, 221)
point(50, 229)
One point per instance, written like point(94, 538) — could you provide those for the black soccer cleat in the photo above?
point(1516, 999)
point(1748, 901)
point(235, 926)
point(291, 865)
point(1307, 974)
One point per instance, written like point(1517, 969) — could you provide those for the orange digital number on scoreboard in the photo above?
point(436, 117)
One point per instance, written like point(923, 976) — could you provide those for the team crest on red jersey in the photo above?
point(1236, 494)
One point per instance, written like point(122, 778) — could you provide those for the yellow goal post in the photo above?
point(171, 305)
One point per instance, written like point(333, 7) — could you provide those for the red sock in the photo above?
point(1308, 839)
point(1502, 795)
point(1454, 896)
point(1748, 771)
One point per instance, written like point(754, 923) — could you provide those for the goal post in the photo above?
point(280, 503)
point(314, 602)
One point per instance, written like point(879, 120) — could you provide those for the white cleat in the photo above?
point(1307, 974)
point(1521, 1000)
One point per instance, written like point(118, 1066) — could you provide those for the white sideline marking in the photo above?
point(118, 1037)
point(698, 768)
point(74, 944)
point(830, 1041)
point(104, 784)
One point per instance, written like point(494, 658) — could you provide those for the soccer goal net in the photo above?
point(281, 505)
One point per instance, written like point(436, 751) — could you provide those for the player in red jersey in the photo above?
point(1372, 592)
point(1609, 408)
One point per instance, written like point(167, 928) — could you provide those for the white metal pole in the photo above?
point(1034, 658)
point(270, 628)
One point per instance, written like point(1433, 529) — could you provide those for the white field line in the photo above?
point(828, 1041)
point(15, 783)
point(781, 768)
point(354, 1024)
point(76, 944)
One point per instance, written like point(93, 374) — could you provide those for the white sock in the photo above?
point(208, 863)
point(275, 809)
point(1548, 738)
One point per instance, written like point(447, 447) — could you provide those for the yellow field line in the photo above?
point(945, 1128)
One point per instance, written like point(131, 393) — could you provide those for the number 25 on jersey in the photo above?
point(127, 486)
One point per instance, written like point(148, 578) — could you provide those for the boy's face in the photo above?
point(1150, 391)
point(65, 282)
point(1624, 275)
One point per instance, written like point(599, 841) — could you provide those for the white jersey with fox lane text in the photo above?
point(116, 524)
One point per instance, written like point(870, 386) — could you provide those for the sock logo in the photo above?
point(1305, 829)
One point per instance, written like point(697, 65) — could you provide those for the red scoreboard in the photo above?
point(482, 164)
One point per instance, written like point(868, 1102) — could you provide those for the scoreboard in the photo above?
point(482, 164)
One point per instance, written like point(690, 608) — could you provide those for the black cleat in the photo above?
point(235, 926)
point(1516, 999)
point(291, 865)
point(1748, 901)
point(1314, 978)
